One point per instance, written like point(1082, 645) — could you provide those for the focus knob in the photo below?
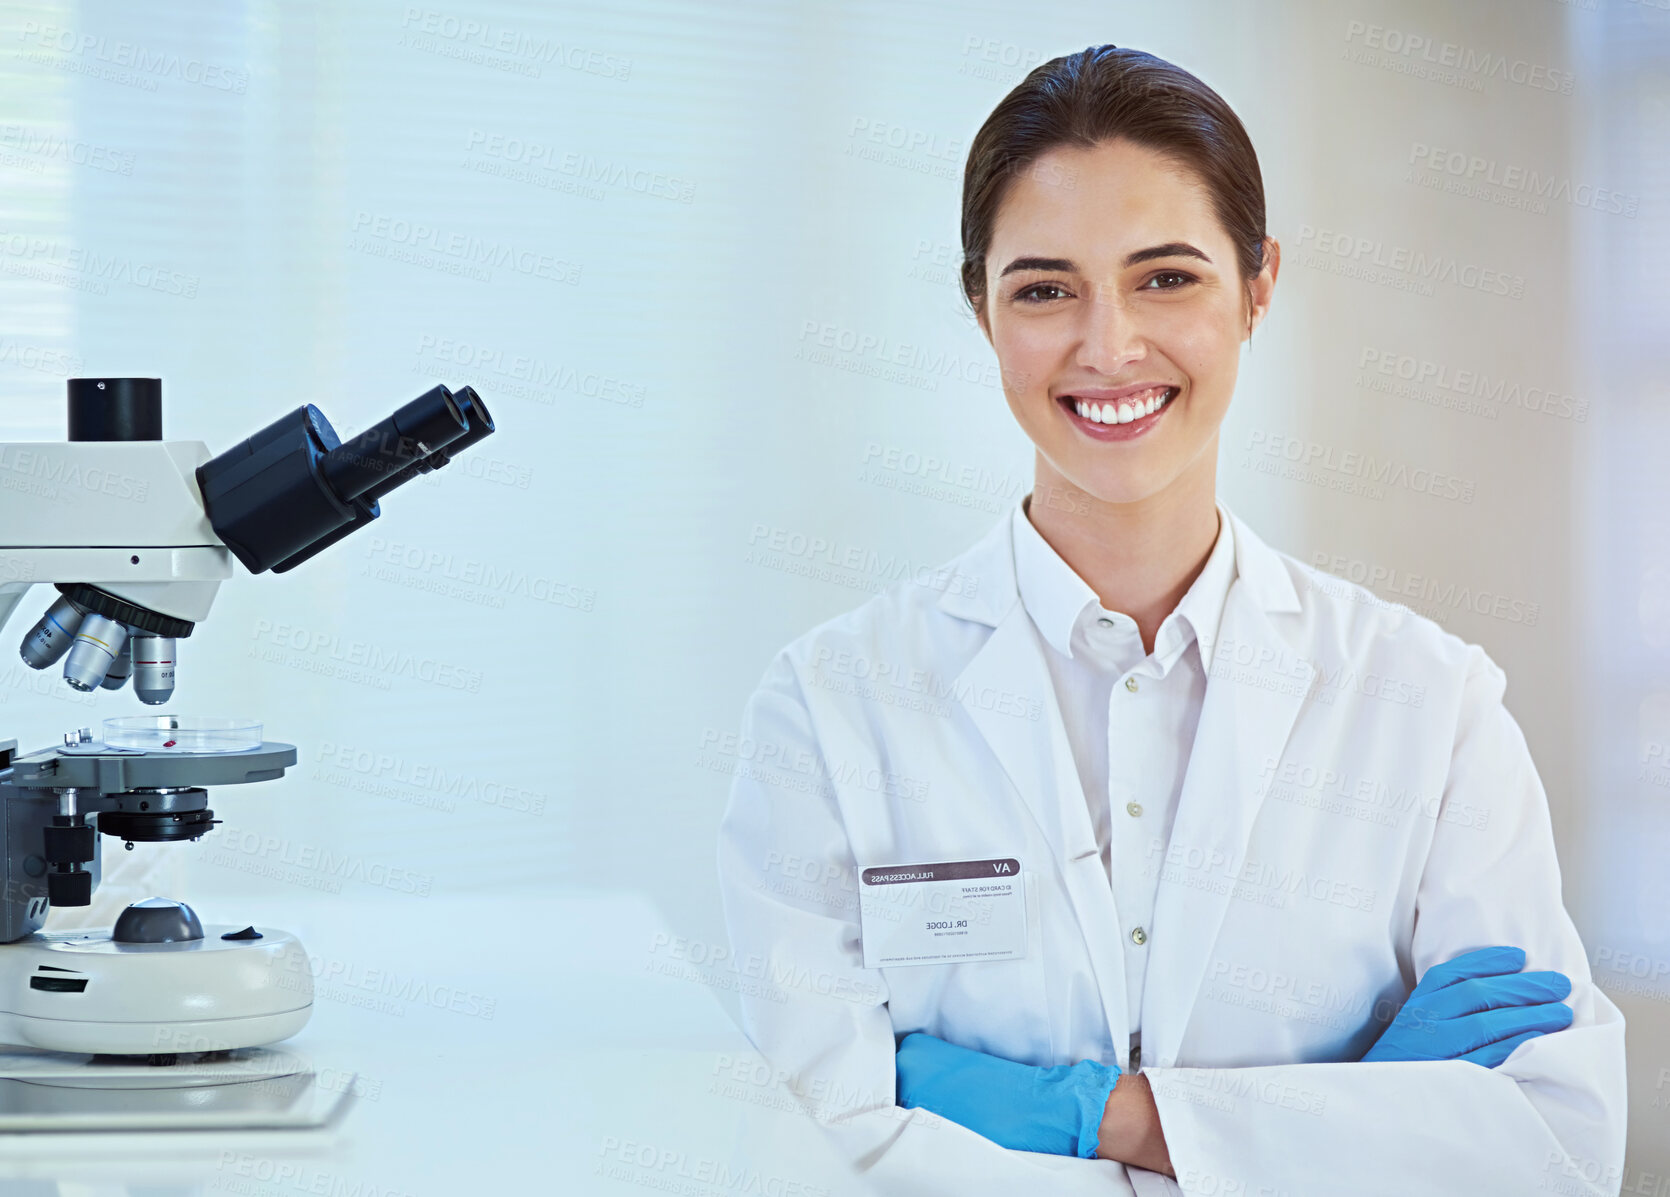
point(157, 920)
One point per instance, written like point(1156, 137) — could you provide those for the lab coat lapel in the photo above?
point(1243, 724)
point(1037, 757)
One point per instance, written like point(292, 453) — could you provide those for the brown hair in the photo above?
point(1097, 94)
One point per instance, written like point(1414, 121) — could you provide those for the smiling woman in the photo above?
point(1115, 256)
point(1132, 340)
point(1105, 932)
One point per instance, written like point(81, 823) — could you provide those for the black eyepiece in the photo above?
point(294, 488)
point(386, 449)
point(479, 425)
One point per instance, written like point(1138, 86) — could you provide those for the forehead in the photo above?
point(1098, 203)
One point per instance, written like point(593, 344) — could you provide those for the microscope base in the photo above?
point(142, 1038)
point(254, 1089)
point(80, 991)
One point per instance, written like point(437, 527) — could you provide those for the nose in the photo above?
point(1110, 338)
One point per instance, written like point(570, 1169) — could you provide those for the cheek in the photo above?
point(1029, 354)
point(1206, 350)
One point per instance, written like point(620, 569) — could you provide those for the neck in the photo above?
point(1140, 557)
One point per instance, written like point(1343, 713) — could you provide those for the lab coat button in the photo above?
point(1131, 684)
point(1105, 622)
point(1134, 809)
point(1139, 936)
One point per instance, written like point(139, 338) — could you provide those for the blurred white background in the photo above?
point(700, 260)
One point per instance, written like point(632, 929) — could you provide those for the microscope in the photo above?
point(136, 533)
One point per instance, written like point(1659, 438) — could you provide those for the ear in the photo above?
point(1261, 288)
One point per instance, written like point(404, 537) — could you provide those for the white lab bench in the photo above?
point(543, 1043)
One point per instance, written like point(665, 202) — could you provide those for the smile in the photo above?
point(1123, 419)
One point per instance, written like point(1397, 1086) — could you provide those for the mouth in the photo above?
point(1119, 420)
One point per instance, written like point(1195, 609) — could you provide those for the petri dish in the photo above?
point(182, 733)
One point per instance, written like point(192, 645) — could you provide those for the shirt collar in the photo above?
point(1060, 601)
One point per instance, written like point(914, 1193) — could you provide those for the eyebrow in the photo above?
point(1171, 249)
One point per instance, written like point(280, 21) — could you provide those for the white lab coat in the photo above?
point(1358, 807)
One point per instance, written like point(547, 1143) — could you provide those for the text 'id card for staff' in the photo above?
point(947, 913)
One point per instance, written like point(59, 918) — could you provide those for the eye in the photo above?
point(1186, 279)
point(1025, 294)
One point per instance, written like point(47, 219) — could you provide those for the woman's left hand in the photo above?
point(1055, 1110)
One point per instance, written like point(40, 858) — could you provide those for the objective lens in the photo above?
point(50, 638)
point(153, 668)
point(120, 669)
point(97, 643)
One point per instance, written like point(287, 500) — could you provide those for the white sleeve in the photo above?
point(1551, 1118)
point(819, 1017)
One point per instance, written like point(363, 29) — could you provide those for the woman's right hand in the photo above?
point(1476, 1007)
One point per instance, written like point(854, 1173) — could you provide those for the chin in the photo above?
point(1114, 489)
point(1125, 486)
point(1120, 493)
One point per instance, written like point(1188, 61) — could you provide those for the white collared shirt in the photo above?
point(1130, 715)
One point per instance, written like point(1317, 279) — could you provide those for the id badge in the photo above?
point(947, 913)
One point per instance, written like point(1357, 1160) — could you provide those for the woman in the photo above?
point(1130, 842)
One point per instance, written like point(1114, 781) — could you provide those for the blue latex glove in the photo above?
point(1477, 1007)
point(1055, 1110)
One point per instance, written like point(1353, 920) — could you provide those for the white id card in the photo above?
point(953, 912)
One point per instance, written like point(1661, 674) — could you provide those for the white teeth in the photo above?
point(1123, 412)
